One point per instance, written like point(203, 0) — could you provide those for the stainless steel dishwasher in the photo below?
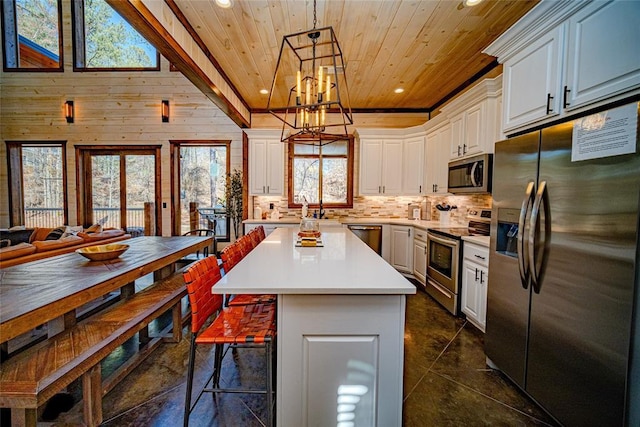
point(370, 234)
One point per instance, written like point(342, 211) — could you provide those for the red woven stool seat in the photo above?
point(247, 299)
point(241, 325)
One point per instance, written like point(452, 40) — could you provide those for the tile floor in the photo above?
point(446, 382)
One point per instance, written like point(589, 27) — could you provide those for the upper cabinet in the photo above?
point(413, 166)
point(472, 117)
point(380, 166)
point(266, 163)
point(437, 155)
point(566, 57)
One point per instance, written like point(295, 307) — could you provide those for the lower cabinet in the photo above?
point(420, 255)
point(475, 269)
point(402, 248)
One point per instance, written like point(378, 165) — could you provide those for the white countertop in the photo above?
point(478, 240)
point(344, 265)
point(361, 220)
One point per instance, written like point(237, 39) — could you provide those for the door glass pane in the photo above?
point(305, 180)
point(105, 180)
point(43, 186)
point(140, 188)
point(334, 180)
point(203, 175)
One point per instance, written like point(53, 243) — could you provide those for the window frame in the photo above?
point(78, 37)
point(10, 32)
point(350, 168)
point(16, 182)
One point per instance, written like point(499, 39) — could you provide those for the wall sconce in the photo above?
point(165, 111)
point(68, 111)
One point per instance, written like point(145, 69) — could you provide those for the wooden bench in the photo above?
point(29, 379)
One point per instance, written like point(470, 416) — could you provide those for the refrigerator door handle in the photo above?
point(536, 268)
point(522, 258)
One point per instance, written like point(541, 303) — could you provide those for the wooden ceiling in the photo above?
point(430, 48)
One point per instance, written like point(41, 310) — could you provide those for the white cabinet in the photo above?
point(413, 166)
point(420, 255)
point(380, 166)
point(603, 56)
point(566, 57)
point(269, 226)
point(402, 248)
point(467, 132)
point(472, 118)
point(475, 269)
point(266, 166)
point(437, 159)
point(531, 82)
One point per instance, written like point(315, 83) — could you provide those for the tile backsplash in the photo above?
point(388, 207)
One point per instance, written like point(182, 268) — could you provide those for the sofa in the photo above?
point(20, 245)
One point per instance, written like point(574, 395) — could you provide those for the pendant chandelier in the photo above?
point(309, 92)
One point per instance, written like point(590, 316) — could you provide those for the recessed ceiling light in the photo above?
point(225, 4)
point(398, 90)
point(264, 91)
point(468, 2)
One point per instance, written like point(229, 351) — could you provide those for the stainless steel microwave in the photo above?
point(471, 175)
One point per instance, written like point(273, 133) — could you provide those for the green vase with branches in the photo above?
point(234, 200)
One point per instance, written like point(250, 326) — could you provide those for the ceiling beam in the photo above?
point(145, 22)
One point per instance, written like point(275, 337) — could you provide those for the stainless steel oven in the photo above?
point(443, 270)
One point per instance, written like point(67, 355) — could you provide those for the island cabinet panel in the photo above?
point(330, 362)
point(340, 345)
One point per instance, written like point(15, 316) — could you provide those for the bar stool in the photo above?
point(245, 245)
point(250, 326)
point(231, 255)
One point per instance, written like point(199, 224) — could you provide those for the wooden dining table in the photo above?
point(50, 289)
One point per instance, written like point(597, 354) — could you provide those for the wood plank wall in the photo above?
point(110, 108)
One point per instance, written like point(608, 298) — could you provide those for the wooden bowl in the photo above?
point(103, 252)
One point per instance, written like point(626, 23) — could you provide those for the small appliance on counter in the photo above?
point(413, 212)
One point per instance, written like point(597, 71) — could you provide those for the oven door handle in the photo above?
point(442, 240)
point(523, 267)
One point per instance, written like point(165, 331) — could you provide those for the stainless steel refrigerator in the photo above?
point(562, 309)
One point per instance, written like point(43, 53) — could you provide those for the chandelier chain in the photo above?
point(315, 16)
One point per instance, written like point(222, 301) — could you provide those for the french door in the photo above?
point(116, 183)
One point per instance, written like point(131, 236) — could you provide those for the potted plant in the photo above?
point(234, 200)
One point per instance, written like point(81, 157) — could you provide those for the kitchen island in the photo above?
point(341, 314)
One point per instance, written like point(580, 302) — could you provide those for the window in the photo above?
point(103, 40)
point(321, 174)
point(37, 186)
point(32, 35)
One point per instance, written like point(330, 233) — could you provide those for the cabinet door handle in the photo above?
point(464, 148)
point(379, 189)
point(481, 278)
point(476, 274)
point(458, 150)
point(420, 189)
point(549, 99)
point(565, 101)
point(264, 189)
point(480, 257)
point(384, 189)
point(435, 188)
point(267, 188)
point(408, 232)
